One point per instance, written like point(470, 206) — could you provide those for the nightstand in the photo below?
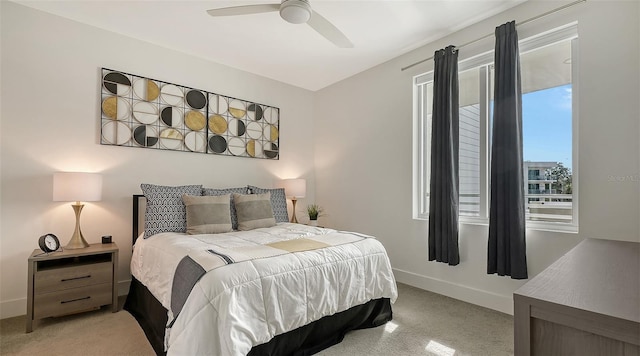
point(71, 281)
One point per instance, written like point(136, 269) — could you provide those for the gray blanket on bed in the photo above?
point(187, 274)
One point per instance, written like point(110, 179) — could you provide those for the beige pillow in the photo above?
point(254, 211)
point(208, 214)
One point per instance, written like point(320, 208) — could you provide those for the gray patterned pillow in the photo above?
point(278, 202)
point(207, 215)
point(165, 210)
point(225, 191)
point(254, 211)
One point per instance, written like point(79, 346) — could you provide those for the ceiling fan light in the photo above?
point(295, 11)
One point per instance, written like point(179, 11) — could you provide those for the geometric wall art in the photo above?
point(149, 113)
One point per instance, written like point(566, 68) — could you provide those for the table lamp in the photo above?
point(294, 189)
point(78, 187)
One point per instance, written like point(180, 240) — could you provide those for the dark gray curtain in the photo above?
point(507, 248)
point(443, 199)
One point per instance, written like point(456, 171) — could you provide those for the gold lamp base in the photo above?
point(293, 217)
point(77, 240)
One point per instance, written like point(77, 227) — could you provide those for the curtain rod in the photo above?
point(491, 34)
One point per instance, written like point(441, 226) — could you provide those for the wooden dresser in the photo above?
point(71, 281)
point(586, 303)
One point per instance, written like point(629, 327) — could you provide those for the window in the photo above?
point(548, 79)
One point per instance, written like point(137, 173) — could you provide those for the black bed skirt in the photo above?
point(305, 340)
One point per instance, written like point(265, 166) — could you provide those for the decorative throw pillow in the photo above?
point(278, 202)
point(208, 214)
point(254, 211)
point(165, 210)
point(225, 191)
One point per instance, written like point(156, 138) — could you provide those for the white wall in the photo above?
point(50, 122)
point(364, 151)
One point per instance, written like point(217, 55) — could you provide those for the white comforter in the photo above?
point(237, 306)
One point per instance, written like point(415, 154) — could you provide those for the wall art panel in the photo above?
point(149, 113)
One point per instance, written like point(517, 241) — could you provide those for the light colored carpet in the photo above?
point(99, 332)
point(426, 323)
point(423, 323)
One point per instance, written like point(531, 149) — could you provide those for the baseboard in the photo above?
point(479, 297)
point(11, 308)
point(17, 307)
point(123, 287)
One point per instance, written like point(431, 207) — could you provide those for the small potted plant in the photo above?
point(314, 211)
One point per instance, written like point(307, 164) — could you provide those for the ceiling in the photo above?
point(266, 45)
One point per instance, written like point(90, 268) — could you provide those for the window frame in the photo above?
point(482, 62)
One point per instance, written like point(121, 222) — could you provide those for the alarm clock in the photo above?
point(49, 243)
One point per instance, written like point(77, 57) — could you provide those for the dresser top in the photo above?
point(599, 276)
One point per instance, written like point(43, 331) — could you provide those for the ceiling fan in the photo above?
point(292, 11)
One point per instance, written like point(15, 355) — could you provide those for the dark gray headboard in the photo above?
point(138, 211)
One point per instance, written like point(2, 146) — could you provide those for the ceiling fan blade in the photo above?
point(329, 31)
point(244, 10)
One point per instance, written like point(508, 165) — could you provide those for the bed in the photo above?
point(285, 289)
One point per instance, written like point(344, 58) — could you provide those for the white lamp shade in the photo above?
point(294, 188)
point(77, 186)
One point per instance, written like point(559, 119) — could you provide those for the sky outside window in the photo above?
point(547, 125)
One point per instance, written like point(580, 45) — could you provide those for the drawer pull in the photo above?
point(74, 300)
point(74, 278)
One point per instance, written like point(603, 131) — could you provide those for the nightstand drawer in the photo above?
point(72, 277)
point(72, 300)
